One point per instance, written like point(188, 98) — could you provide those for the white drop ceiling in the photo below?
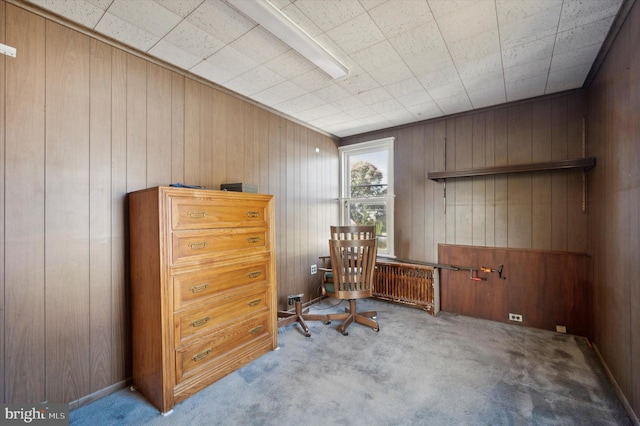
point(409, 60)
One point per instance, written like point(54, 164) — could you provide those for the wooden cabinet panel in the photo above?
point(193, 287)
point(203, 299)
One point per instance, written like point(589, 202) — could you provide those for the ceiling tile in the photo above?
point(525, 21)
point(586, 35)
point(453, 104)
point(391, 74)
point(180, 7)
point(174, 55)
point(404, 87)
point(397, 17)
point(259, 79)
point(465, 20)
point(289, 64)
point(528, 52)
point(578, 57)
point(419, 97)
point(148, 16)
point(232, 61)
point(194, 40)
point(348, 104)
point(332, 93)
point(299, 104)
point(566, 78)
point(80, 11)
point(212, 72)
point(220, 20)
point(377, 56)
point(300, 19)
point(576, 13)
point(328, 14)
point(528, 87)
point(259, 45)
point(126, 33)
point(358, 83)
point(356, 34)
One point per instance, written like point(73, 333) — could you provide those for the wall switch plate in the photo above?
point(561, 328)
point(314, 269)
point(515, 317)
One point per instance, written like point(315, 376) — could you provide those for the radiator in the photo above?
point(408, 284)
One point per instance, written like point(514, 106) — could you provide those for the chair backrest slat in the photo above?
point(353, 263)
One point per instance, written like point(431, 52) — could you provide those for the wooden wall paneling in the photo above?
point(2, 205)
point(576, 219)
point(261, 133)
point(519, 185)
point(192, 94)
point(403, 202)
point(432, 195)
point(225, 112)
point(541, 182)
point(67, 214)
point(559, 150)
point(439, 217)
point(159, 143)
point(234, 142)
point(634, 195)
point(306, 198)
point(251, 164)
point(24, 295)
point(450, 164)
point(463, 187)
point(136, 123)
point(275, 188)
point(298, 220)
point(501, 182)
point(100, 315)
point(418, 184)
point(177, 128)
point(121, 329)
point(289, 271)
point(490, 200)
point(478, 191)
point(211, 149)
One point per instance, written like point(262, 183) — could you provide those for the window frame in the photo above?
point(345, 152)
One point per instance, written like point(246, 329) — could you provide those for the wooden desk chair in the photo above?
point(353, 264)
point(299, 316)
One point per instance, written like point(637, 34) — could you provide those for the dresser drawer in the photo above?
point(194, 287)
point(190, 213)
point(220, 346)
point(195, 246)
point(196, 322)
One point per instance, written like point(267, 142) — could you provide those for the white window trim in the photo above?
point(362, 148)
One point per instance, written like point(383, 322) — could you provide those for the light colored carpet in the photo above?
point(418, 370)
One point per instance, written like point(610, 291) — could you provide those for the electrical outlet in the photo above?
point(561, 328)
point(314, 269)
point(515, 317)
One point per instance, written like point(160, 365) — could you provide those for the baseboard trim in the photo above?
point(99, 394)
point(621, 396)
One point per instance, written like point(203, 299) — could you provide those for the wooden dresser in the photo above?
point(203, 287)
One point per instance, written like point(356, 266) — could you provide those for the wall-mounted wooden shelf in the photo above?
point(584, 163)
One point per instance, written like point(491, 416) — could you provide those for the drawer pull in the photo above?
point(255, 274)
point(198, 246)
point(256, 330)
point(199, 288)
point(254, 303)
point(253, 240)
point(196, 214)
point(253, 214)
point(199, 322)
point(201, 355)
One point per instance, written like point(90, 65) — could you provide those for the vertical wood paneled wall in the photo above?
point(83, 123)
point(614, 221)
point(541, 210)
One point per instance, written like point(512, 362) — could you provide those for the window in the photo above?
point(366, 188)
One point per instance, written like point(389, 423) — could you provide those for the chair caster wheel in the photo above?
point(376, 329)
point(345, 333)
point(375, 317)
point(132, 388)
point(307, 334)
point(327, 322)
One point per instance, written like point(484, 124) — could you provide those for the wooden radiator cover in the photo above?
point(548, 288)
point(408, 284)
